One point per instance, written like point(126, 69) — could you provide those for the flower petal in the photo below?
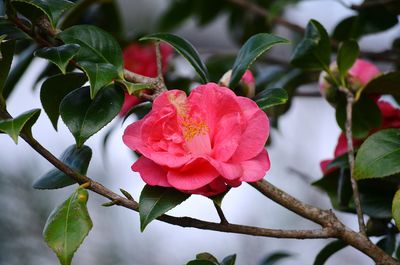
point(194, 175)
point(150, 172)
point(255, 169)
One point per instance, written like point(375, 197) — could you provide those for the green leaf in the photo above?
point(272, 97)
point(155, 201)
point(387, 243)
point(184, 48)
point(97, 46)
point(84, 116)
point(369, 20)
point(250, 51)
point(314, 51)
point(13, 127)
point(99, 74)
point(229, 260)
point(379, 155)
point(133, 88)
point(384, 84)
point(60, 55)
point(328, 251)
point(7, 54)
point(140, 110)
point(54, 89)
point(206, 256)
point(13, 33)
point(201, 262)
point(53, 9)
point(347, 55)
point(68, 225)
point(396, 210)
point(76, 158)
point(366, 116)
point(275, 257)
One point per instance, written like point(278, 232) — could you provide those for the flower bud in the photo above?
point(247, 85)
point(357, 77)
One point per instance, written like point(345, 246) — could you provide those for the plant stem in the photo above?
point(221, 214)
point(350, 152)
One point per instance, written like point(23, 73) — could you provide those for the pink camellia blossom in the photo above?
point(201, 144)
point(141, 59)
point(390, 119)
point(358, 76)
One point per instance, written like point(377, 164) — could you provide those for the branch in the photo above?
point(350, 152)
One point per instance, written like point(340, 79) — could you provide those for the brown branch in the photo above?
point(375, 3)
point(350, 152)
point(332, 227)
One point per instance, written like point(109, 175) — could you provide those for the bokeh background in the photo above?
point(307, 134)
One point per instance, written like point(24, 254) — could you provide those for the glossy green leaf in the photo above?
point(366, 116)
point(155, 201)
point(250, 51)
point(328, 251)
point(140, 110)
point(367, 21)
point(272, 97)
point(54, 89)
point(229, 260)
point(275, 258)
point(379, 155)
point(314, 51)
point(97, 46)
point(396, 209)
point(7, 54)
point(201, 262)
point(60, 55)
point(184, 48)
point(76, 158)
point(84, 116)
point(206, 256)
point(68, 225)
point(13, 33)
point(99, 74)
point(346, 57)
point(53, 9)
point(387, 243)
point(384, 84)
point(13, 127)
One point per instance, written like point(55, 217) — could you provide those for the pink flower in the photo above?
point(390, 119)
point(358, 76)
point(141, 59)
point(201, 144)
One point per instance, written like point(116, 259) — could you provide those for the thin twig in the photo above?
point(350, 152)
point(221, 214)
point(161, 82)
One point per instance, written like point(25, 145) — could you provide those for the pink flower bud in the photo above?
point(247, 84)
point(357, 77)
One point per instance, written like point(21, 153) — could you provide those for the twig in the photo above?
point(161, 87)
point(221, 214)
point(350, 152)
point(369, 4)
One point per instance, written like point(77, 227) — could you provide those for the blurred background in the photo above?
point(306, 134)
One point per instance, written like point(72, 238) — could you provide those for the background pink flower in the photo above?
point(141, 59)
point(390, 119)
point(200, 144)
